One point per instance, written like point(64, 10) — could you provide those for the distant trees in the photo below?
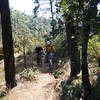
point(34, 25)
point(33, 28)
point(28, 31)
point(7, 44)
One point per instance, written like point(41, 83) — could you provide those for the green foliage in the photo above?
point(63, 4)
point(94, 49)
point(57, 74)
point(4, 98)
point(28, 31)
point(60, 46)
point(80, 12)
point(72, 90)
point(39, 26)
point(27, 74)
point(94, 45)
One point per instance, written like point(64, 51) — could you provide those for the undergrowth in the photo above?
point(27, 75)
point(71, 89)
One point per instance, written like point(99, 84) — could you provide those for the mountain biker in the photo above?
point(49, 48)
point(39, 51)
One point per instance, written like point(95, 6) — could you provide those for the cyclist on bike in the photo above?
point(49, 48)
point(39, 51)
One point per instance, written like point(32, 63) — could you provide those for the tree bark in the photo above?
point(51, 9)
point(7, 44)
point(88, 15)
point(24, 54)
point(84, 66)
point(73, 51)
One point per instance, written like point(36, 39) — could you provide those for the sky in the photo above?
point(22, 5)
point(27, 6)
point(98, 6)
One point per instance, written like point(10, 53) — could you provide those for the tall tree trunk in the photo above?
point(24, 54)
point(51, 5)
point(7, 44)
point(74, 54)
point(98, 59)
point(88, 15)
point(84, 66)
point(24, 50)
point(51, 9)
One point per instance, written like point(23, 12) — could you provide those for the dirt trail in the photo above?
point(42, 89)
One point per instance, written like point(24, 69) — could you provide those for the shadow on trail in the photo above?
point(45, 68)
point(42, 69)
point(1, 57)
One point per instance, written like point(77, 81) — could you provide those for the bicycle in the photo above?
point(50, 60)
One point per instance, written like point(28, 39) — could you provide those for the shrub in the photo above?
point(71, 90)
point(27, 74)
point(94, 49)
point(60, 46)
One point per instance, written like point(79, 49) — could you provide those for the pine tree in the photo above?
point(7, 44)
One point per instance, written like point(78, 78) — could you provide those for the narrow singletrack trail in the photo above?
point(42, 89)
point(45, 87)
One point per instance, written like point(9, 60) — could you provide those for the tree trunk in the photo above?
point(84, 66)
point(7, 44)
point(51, 9)
point(73, 51)
point(51, 6)
point(24, 53)
point(24, 50)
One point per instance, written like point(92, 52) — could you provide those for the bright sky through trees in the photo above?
point(98, 6)
point(22, 5)
point(27, 6)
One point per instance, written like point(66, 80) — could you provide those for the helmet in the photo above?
point(48, 42)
